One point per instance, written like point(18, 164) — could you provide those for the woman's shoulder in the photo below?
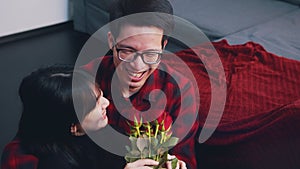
point(14, 157)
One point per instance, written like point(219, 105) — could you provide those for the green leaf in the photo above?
point(162, 161)
point(130, 159)
point(134, 154)
point(162, 150)
point(133, 141)
point(128, 148)
point(141, 143)
point(145, 154)
point(174, 162)
point(170, 142)
point(154, 142)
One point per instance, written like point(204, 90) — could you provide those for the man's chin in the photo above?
point(131, 87)
point(134, 88)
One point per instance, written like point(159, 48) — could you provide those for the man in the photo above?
point(137, 45)
point(131, 77)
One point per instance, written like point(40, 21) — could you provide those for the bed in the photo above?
point(258, 43)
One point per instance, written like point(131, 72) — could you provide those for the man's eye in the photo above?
point(151, 54)
point(125, 51)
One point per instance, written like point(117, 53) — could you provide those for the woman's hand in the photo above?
point(142, 164)
point(180, 164)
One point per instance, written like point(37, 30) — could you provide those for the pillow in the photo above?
point(279, 36)
point(218, 18)
point(296, 2)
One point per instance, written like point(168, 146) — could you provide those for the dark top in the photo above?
point(88, 155)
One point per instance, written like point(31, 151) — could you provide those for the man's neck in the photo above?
point(126, 92)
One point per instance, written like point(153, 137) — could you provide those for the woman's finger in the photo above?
point(141, 164)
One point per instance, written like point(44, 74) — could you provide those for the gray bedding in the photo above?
point(280, 36)
point(219, 18)
point(275, 24)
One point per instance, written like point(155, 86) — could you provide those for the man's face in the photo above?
point(133, 75)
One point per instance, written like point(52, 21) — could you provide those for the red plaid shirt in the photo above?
point(180, 103)
point(14, 158)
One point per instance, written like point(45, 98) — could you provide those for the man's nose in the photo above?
point(138, 63)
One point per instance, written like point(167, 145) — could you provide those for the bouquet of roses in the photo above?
point(151, 140)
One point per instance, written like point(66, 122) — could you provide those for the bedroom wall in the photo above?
point(18, 16)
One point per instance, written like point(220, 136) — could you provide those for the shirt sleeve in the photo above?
point(14, 158)
point(186, 126)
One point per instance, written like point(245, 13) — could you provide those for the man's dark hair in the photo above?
point(157, 13)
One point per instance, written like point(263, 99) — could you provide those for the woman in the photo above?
point(49, 128)
point(59, 106)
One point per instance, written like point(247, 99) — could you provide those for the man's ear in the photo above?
point(110, 39)
point(165, 43)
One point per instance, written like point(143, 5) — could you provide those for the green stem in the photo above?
point(156, 131)
point(138, 131)
point(149, 136)
point(162, 137)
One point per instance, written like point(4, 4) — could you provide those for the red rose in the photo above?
point(165, 121)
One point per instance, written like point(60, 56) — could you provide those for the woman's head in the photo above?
point(48, 95)
point(90, 105)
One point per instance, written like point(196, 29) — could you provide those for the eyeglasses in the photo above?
point(129, 55)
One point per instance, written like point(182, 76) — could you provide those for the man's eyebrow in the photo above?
point(125, 46)
point(132, 48)
point(152, 50)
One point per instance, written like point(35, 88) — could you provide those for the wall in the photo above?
point(18, 16)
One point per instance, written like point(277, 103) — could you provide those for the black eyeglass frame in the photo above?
point(136, 54)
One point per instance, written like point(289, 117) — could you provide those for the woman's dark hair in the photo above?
point(157, 13)
point(47, 96)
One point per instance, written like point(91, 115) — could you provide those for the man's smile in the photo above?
point(136, 76)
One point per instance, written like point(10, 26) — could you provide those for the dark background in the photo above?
point(20, 54)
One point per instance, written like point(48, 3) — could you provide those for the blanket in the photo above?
point(260, 123)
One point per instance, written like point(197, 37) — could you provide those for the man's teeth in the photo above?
point(135, 74)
